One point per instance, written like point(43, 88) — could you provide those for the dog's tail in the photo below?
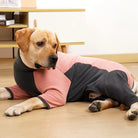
point(35, 23)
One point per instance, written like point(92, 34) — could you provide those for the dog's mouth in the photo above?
point(38, 66)
point(52, 60)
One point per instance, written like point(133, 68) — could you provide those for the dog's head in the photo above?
point(38, 47)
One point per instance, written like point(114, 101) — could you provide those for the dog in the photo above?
point(48, 78)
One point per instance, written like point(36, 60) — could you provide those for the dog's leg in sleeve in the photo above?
point(117, 88)
point(15, 92)
point(4, 94)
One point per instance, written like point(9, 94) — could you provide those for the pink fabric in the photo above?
point(65, 61)
point(54, 86)
point(18, 93)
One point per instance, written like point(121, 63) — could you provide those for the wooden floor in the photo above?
point(70, 121)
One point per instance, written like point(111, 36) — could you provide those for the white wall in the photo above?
point(112, 26)
point(107, 26)
point(69, 26)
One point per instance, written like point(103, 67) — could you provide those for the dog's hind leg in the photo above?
point(99, 105)
point(133, 111)
point(135, 88)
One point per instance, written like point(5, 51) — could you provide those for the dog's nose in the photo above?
point(53, 58)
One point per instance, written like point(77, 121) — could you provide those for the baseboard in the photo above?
point(121, 58)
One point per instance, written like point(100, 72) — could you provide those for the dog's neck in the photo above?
point(26, 60)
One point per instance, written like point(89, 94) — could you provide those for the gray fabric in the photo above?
point(114, 84)
point(24, 77)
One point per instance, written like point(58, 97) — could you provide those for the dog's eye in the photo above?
point(40, 44)
point(55, 45)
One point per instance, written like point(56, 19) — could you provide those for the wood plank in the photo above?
point(4, 44)
point(39, 10)
point(63, 48)
point(72, 43)
point(15, 26)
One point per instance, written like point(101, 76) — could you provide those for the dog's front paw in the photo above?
point(95, 106)
point(15, 110)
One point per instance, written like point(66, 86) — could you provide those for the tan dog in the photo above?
point(36, 47)
point(31, 43)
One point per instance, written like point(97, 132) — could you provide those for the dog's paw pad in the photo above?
point(95, 107)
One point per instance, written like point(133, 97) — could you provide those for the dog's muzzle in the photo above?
point(52, 62)
point(53, 59)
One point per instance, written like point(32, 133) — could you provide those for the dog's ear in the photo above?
point(58, 43)
point(23, 38)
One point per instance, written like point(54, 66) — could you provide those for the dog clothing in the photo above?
point(85, 78)
point(72, 78)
